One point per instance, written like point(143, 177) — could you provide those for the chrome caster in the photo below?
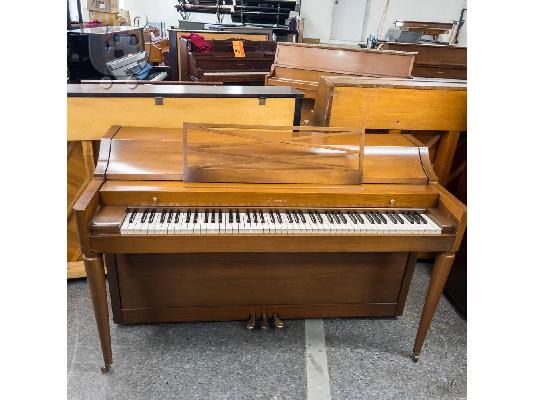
point(105, 369)
point(251, 324)
point(415, 357)
point(264, 322)
point(278, 323)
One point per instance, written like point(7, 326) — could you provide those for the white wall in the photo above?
point(318, 15)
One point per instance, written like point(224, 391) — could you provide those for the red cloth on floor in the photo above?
point(200, 44)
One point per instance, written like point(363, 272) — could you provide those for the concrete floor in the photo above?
point(367, 358)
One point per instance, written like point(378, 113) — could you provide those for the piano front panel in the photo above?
point(178, 287)
point(169, 193)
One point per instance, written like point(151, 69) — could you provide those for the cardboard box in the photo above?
point(108, 19)
point(107, 6)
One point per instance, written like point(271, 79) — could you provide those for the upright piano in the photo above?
point(434, 60)
point(301, 65)
point(222, 65)
point(261, 224)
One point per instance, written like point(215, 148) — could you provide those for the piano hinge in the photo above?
point(158, 101)
point(262, 101)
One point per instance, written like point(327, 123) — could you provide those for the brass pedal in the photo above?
point(277, 322)
point(264, 322)
point(251, 324)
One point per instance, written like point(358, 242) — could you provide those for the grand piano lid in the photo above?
point(156, 154)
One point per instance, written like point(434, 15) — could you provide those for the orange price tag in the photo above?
point(239, 50)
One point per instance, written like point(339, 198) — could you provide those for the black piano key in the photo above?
point(382, 218)
point(238, 216)
point(230, 216)
point(398, 216)
point(302, 217)
point(335, 215)
point(195, 217)
point(278, 217)
point(330, 219)
point(177, 216)
point(255, 216)
point(408, 217)
point(132, 217)
point(206, 216)
point(212, 216)
point(359, 217)
point(188, 216)
point(144, 216)
point(417, 215)
point(391, 217)
point(151, 216)
point(262, 218)
point(271, 215)
point(368, 216)
point(319, 217)
point(220, 216)
point(375, 218)
point(312, 217)
point(163, 215)
point(289, 217)
point(415, 218)
point(249, 220)
point(342, 217)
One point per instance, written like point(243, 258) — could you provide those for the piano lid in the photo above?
point(156, 154)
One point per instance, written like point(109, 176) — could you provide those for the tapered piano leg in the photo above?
point(442, 267)
point(94, 267)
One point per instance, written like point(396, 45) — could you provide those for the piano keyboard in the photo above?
point(174, 221)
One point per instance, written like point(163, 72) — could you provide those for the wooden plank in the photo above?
point(75, 269)
point(89, 118)
point(405, 109)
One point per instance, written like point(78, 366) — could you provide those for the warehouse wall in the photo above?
point(318, 14)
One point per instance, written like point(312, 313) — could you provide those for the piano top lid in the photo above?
point(184, 91)
point(156, 154)
point(399, 83)
point(345, 47)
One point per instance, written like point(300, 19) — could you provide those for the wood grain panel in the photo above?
point(240, 279)
point(399, 109)
point(90, 118)
point(80, 166)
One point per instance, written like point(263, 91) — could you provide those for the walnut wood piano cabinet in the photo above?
point(213, 277)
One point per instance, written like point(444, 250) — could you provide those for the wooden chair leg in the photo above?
point(94, 268)
point(442, 267)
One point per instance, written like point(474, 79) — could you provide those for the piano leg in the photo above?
point(94, 267)
point(442, 267)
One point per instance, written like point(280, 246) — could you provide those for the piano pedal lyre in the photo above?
point(251, 324)
point(277, 322)
point(264, 322)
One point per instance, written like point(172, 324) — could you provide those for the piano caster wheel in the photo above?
point(264, 322)
point(278, 323)
point(251, 324)
point(415, 357)
point(105, 369)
